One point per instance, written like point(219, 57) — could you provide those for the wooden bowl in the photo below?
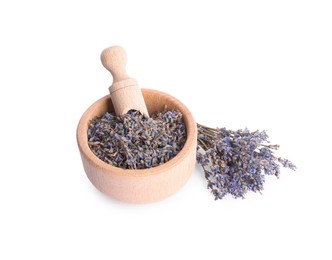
point(146, 185)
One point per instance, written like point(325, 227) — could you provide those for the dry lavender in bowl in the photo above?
point(235, 162)
point(133, 141)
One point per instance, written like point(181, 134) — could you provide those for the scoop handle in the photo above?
point(125, 93)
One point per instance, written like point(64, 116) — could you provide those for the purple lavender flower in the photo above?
point(235, 162)
point(133, 141)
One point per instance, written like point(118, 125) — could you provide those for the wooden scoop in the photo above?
point(125, 93)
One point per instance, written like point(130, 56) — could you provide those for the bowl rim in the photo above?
point(84, 148)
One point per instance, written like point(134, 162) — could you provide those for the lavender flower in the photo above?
point(133, 141)
point(235, 162)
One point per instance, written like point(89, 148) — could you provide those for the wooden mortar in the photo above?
point(144, 185)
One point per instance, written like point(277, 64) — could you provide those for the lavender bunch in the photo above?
point(235, 162)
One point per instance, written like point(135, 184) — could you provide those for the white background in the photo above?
point(256, 64)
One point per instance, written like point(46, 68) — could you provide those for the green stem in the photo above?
point(205, 147)
point(206, 127)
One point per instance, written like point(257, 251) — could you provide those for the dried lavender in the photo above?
point(235, 162)
point(133, 141)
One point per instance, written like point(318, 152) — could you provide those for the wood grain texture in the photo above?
point(125, 93)
point(139, 186)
